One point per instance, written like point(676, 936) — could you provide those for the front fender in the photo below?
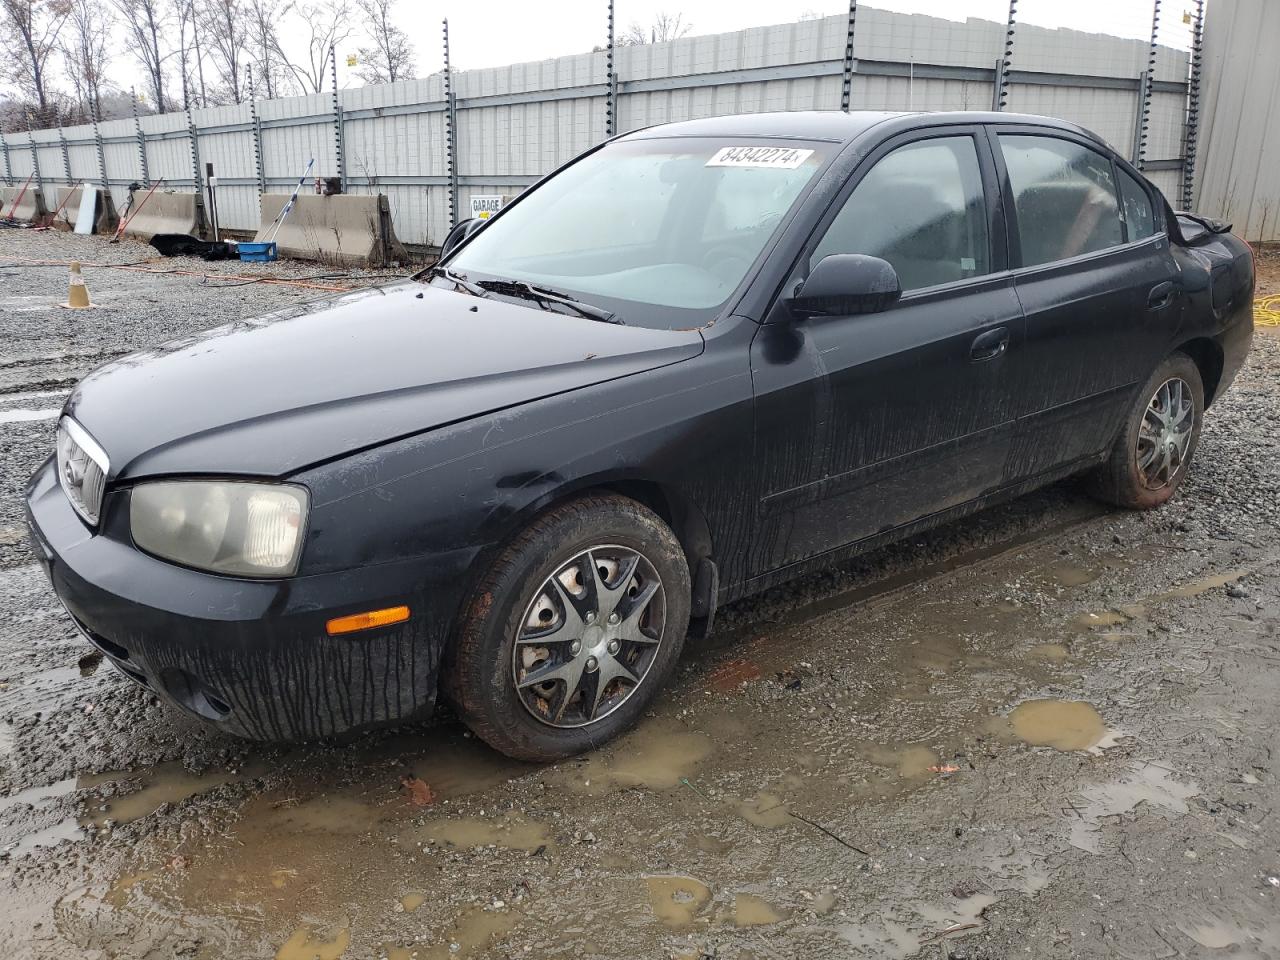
point(684, 430)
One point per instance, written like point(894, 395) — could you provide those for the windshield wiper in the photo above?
point(459, 280)
point(543, 295)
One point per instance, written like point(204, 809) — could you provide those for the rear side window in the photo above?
point(1064, 197)
point(1138, 212)
point(921, 208)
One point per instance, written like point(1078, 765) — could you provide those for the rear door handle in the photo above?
point(1161, 295)
point(989, 344)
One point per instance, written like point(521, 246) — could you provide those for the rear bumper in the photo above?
point(251, 657)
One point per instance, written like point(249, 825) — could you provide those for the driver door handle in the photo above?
point(989, 344)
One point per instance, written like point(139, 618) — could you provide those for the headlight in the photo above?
point(234, 527)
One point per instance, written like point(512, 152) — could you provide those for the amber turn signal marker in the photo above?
point(367, 621)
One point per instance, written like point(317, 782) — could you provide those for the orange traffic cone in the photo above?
point(77, 292)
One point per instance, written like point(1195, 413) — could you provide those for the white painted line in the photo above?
point(25, 416)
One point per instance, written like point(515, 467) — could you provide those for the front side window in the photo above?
point(1064, 198)
point(1138, 212)
point(921, 208)
point(660, 232)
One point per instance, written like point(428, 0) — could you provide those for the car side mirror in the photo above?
point(461, 232)
point(842, 284)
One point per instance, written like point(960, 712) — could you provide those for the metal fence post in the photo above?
point(194, 136)
point(35, 155)
point(102, 158)
point(611, 82)
point(339, 147)
point(1148, 82)
point(66, 154)
point(1139, 124)
point(257, 148)
point(142, 137)
point(846, 85)
point(1002, 68)
point(258, 157)
point(8, 170)
point(450, 133)
point(1193, 110)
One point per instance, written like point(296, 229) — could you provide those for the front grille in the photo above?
point(82, 469)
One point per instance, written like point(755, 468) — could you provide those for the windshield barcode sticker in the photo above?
point(780, 158)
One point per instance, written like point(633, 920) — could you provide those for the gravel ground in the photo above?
point(1049, 731)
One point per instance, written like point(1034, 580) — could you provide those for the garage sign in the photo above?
point(482, 208)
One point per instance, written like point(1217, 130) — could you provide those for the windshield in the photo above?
point(659, 232)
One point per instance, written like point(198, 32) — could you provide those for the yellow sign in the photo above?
point(351, 60)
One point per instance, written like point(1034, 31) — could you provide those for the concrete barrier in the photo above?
point(342, 229)
point(31, 207)
point(166, 213)
point(104, 211)
point(64, 205)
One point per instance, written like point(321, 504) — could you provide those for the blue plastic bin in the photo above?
point(257, 252)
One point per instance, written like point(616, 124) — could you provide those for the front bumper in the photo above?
point(251, 657)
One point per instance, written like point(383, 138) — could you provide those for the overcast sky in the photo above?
point(488, 33)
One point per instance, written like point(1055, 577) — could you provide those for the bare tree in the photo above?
point(263, 18)
point(83, 46)
point(329, 22)
point(188, 54)
point(390, 55)
point(664, 27)
point(146, 25)
point(30, 30)
point(225, 29)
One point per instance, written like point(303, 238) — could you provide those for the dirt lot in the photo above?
point(1049, 731)
point(1269, 272)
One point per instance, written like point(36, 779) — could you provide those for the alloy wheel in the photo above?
point(589, 636)
point(1164, 436)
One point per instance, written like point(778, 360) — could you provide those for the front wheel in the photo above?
point(1154, 449)
point(572, 631)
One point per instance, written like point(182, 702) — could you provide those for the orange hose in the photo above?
point(278, 281)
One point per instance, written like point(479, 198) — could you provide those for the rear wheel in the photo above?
point(1154, 449)
point(572, 631)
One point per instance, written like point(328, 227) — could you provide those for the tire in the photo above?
point(1127, 479)
point(634, 555)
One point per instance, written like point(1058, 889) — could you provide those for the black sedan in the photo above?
point(696, 361)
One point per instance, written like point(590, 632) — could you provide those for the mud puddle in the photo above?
point(1065, 725)
point(677, 901)
point(752, 911)
point(132, 796)
point(1195, 587)
point(1145, 783)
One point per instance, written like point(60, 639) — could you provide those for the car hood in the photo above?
point(321, 379)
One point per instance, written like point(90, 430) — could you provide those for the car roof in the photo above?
point(835, 125)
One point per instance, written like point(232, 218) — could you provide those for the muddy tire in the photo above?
point(572, 631)
point(1157, 441)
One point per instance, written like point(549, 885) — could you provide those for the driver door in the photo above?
point(866, 423)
